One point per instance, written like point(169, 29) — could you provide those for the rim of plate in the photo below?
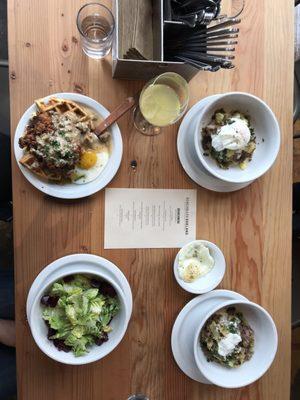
point(72, 190)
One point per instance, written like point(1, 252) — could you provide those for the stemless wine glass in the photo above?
point(96, 26)
point(162, 102)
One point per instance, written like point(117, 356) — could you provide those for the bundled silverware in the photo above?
point(198, 36)
point(193, 12)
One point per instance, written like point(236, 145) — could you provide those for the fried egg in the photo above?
point(90, 165)
point(194, 262)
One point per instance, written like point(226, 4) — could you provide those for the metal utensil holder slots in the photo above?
point(146, 69)
point(198, 40)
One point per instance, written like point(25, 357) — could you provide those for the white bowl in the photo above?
point(266, 130)
point(265, 347)
point(72, 190)
point(119, 324)
point(73, 263)
point(209, 281)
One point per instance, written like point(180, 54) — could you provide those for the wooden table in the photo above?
point(252, 226)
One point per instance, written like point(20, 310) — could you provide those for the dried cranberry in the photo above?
point(49, 301)
point(95, 283)
point(68, 278)
point(61, 346)
point(103, 338)
point(231, 310)
point(51, 332)
point(107, 290)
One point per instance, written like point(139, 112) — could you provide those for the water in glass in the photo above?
point(96, 25)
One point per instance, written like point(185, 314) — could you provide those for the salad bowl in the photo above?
point(40, 330)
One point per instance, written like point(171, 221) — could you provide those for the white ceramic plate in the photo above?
point(186, 324)
point(72, 190)
point(188, 156)
point(78, 261)
point(210, 280)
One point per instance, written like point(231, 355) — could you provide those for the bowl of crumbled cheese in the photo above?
point(199, 266)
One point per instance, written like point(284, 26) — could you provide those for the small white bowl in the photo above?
point(209, 281)
point(72, 190)
point(39, 329)
point(266, 130)
point(265, 347)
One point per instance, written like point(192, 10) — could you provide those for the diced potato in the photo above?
point(241, 116)
point(251, 147)
point(210, 344)
point(244, 164)
point(219, 118)
point(229, 153)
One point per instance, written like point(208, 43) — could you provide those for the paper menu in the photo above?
point(149, 218)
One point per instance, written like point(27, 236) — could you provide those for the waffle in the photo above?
point(62, 106)
point(28, 160)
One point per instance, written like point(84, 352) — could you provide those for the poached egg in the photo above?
point(233, 136)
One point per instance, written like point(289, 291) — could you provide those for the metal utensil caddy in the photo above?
point(146, 69)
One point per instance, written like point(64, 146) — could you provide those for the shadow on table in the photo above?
point(295, 388)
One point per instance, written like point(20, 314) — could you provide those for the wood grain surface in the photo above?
point(252, 226)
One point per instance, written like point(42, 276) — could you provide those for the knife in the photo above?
point(117, 113)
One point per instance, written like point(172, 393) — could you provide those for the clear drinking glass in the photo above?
point(138, 397)
point(96, 26)
point(162, 102)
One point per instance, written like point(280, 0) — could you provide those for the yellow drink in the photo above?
point(160, 105)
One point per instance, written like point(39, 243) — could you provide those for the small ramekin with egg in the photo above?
point(199, 266)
